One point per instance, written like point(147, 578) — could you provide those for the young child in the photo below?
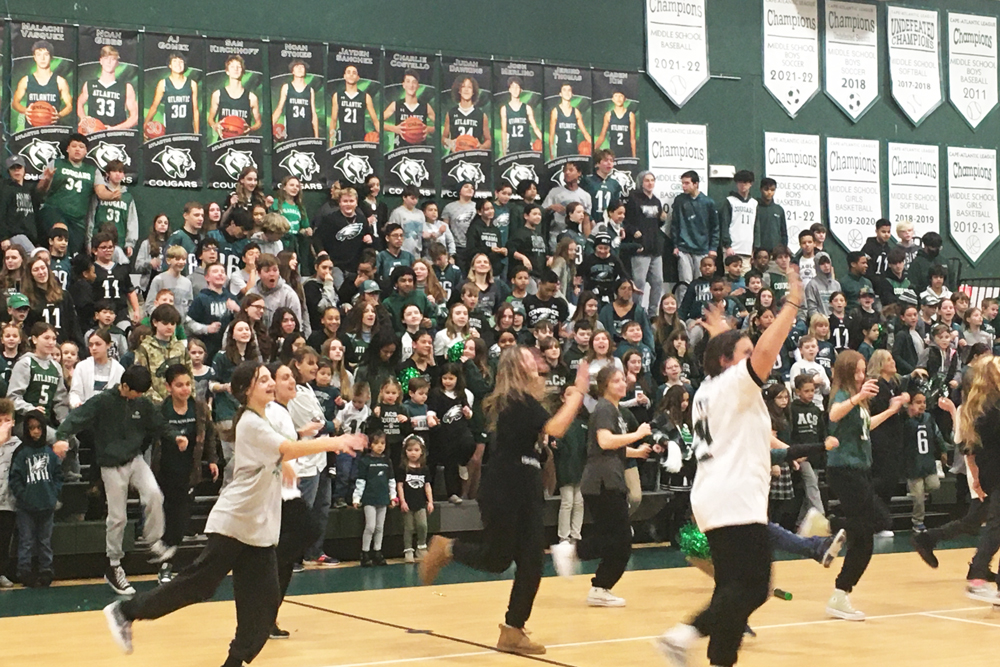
point(165, 296)
point(69, 357)
point(351, 419)
point(13, 346)
point(519, 286)
point(36, 381)
point(211, 311)
point(577, 350)
point(570, 459)
point(328, 396)
point(202, 373)
point(869, 337)
point(162, 349)
point(807, 426)
point(778, 276)
point(632, 335)
point(104, 317)
point(449, 275)
point(8, 517)
point(819, 328)
point(435, 231)
point(174, 280)
point(904, 232)
point(451, 440)
point(699, 293)
point(416, 499)
point(421, 419)
point(389, 417)
point(734, 275)
point(807, 365)
point(839, 331)
point(35, 483)
point(375, 490)
point(924, 444)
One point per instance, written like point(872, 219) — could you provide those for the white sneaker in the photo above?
point(602, 597)
point(885, 533)
point(161, 552)
point(839, 606)
point(834, 549)
point(454, 500)
point(121, 627)
point(564, 559)
point(5, 582)
point(981, 591)
point(814, 524)
point(463, 473)
point(675, 643)
point(408, 556)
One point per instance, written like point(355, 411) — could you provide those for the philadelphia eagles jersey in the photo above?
point(566, 143)
point(107, 102)
point(466, 121)
point(37, 92)
point(604, 192)
point(178, 113)
point(298, 113)
point(518, 129)
point(230, 251)
point(234, 106)
point(61, 269)
point(115, 284)
point(351, 116)
point(421, 110)
point(620, 134)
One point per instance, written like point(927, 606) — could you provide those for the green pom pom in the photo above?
point(405, 376)
point(456, 351)
point(693, 543)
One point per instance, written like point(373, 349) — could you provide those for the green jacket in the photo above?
point(770, 229)
point(571, 453)
point(851, 286)
point(395, 303)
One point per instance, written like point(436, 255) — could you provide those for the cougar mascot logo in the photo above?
point(103, 153)
point(354, 167)
point(234, 161)
point(302, 166)
point(467, 171)
point(517, 172)
point(411, 172)
point(625, 180)
point(175, 162)
point(39, 153)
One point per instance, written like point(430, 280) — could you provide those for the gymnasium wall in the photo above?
point(734, 104)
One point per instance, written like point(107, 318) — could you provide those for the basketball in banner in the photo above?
point(353, 87)
point(616, 121)
point(174, 68)
point(107, 105)
point(234, 83)
point(298, 116)
point(410, 122)
point(567, 121)
point(517, 131)
point(43, 70)
point(465, 131)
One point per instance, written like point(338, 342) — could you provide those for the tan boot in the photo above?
point(438, 555)
point(515, 640)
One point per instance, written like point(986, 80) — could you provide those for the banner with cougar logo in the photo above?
point(410, 117)
point(616, 123)
point(43, 76)
point(298, 112)
point(517, 125)
point(354, 87)
point(173, 73)
point(107, 102)
point(234, 83)
point(465, 130)
point(567, 122)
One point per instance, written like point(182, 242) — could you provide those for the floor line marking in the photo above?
point(961, 620)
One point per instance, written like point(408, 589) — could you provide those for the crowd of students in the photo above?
point(390, 324)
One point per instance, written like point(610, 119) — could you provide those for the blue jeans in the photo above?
point(347, 475)
point(34, 529)
point(789, 542)
point(308, 487)
point(320, 513)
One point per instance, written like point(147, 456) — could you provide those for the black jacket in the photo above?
point(343, 238)
point(642, 214)
point(904, 352)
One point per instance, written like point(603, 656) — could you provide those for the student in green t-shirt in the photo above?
point(289, 204)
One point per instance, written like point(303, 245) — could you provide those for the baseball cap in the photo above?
point(908, 296)
point(17, 300)
point(930, 300)
point(518, 309)
point(866, 291)
point(823, 258)
point(602, 239)
point(15, 161)
point(370, 287)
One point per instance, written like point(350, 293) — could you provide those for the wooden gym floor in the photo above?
point(916, 616)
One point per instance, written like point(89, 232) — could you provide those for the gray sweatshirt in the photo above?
point(818, 293)
point(180, 286)
point(281, 295)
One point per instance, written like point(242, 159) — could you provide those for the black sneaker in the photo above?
point(121, 627)
point(923, 544)
point(339, 504)
point(115, 576)
point(278, 633)
point(378, 559)
point(166, 574)
point(366, 559)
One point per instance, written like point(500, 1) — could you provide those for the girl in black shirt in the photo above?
point(451, 441)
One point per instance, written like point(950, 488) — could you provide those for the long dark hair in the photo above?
point(779, 416)
point(718, 348)
point(275, 332)
point(290, 276)
point(233, 351)
point(671, 404)
point(243, 379)
point(372, 358)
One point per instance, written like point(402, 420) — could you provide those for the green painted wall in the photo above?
point(736, 108)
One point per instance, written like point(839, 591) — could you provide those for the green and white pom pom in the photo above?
point(456, 351)
point(405, 376)
point(693, 543)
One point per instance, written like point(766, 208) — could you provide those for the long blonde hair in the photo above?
point(815, 321)
point(844, 369)
point(513, 381)
point(875, 364)
point(983, 393)
point(433, 286)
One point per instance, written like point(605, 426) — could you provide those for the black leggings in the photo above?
point(513, 531)
point(255, 589)
point(299, 531)
point(863, 514)
point(610, 538)
point(7, 525)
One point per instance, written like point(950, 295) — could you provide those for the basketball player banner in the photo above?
point(972, 200)
point(851, 45)
point(43, 74)
point(914, 186)
point(298, 115)
point(173, 74)
point(616, 113)
point(791, 52)
point(465, 129)
point(972, 65)
point(234, 82)
point(517, 127)
point(793, 161)
point(354, 87)
point(410, 117)
point(853, 189)
point(674, 149)
point(567, 121)
point(107, 104)
point(915, 61)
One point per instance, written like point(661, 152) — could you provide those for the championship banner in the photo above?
point(915, 61)
point(851, 45)
point(298, 115)
point(567, 122)
point(793, 161)
point(174, 67)
point(677, 47)
point(517, 128)
point(674, 149)
point(914, 186)
point(234, 83)
point(466, 141)
point(972, 65)
point(42, 76)
point(107, 104)
point(972, 199)
point(791, 52)
point(353, 85)
point(853, 189)
point(410, 118)
point(616, 114)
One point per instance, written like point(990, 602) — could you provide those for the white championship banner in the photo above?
point(851, 45)
point(853, 189)
point(972, 199)
point(972, 65)
point(915, 186)
point(677, 47)
point(791, 52)
point(793, 161)
point(674, 149)
point(915, 61)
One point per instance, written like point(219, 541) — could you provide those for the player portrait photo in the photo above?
point(519, 130)
point(617, 123)
point(42, 96)
point(298, 116)
point(174, 109)
point(355, 112)
point(353, 97)
point(234, 81)
point(294, 115)
point(466, 128)
point(233, 110)
point(568, 134)
point(618, 127)
point(466, 125)
point(409, 120)
point(518, 126)
point(107, 103)
point(568, 94)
